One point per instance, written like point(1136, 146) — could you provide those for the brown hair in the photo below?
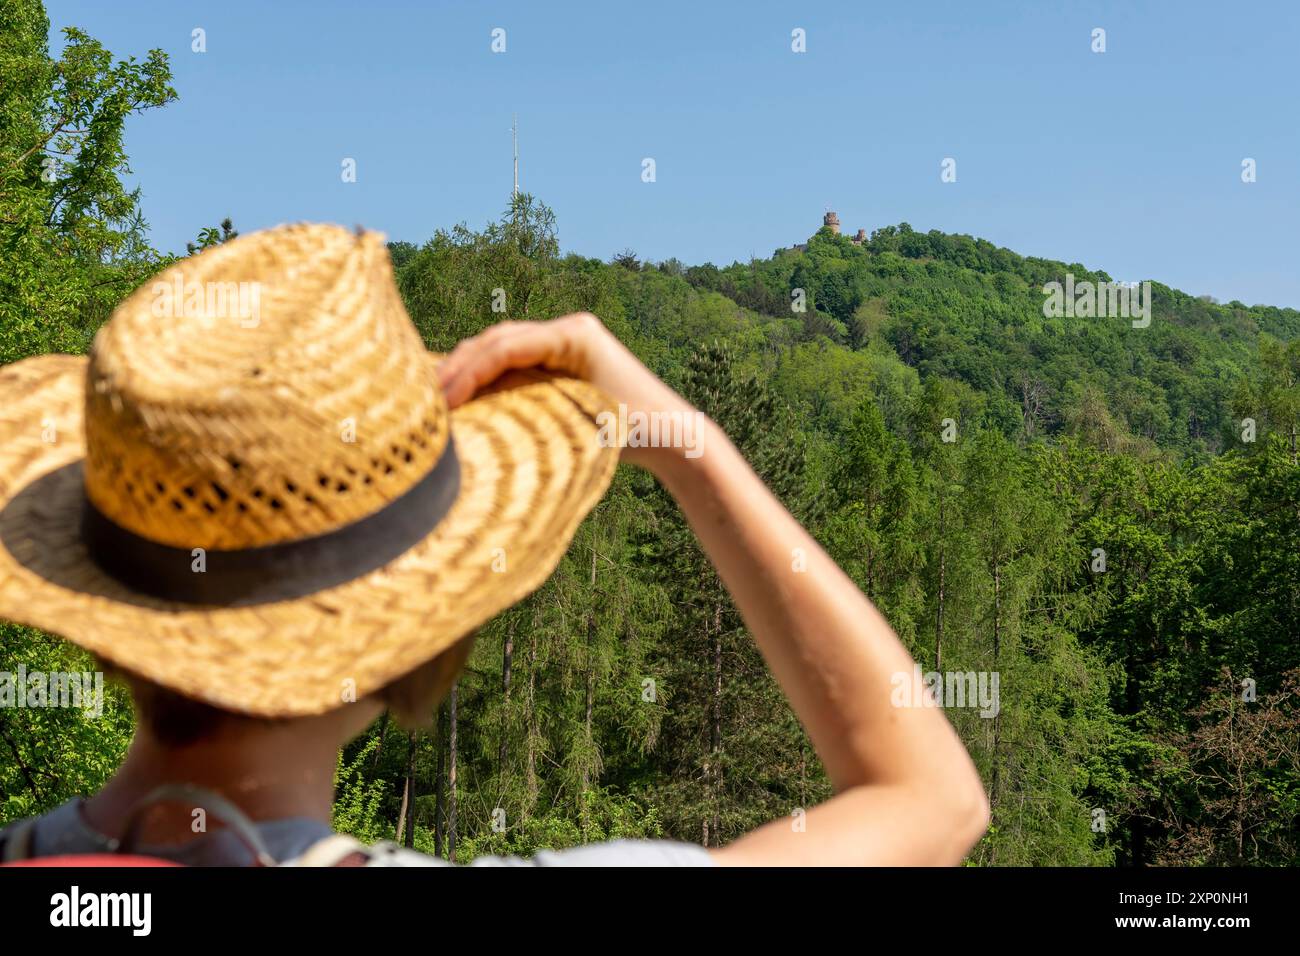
point(177, 721)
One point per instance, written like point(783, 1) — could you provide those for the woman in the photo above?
point(274, 529)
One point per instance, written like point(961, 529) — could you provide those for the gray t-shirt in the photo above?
point(64, 831)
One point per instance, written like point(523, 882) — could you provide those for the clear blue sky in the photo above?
point(1128, 161)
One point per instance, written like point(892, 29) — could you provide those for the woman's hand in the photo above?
point(577, 345)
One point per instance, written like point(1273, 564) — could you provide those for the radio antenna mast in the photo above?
point(514, 135)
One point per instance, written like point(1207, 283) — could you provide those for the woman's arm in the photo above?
point(906, 791)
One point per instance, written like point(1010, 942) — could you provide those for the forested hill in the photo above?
point(1105, 517)
point(963, 309)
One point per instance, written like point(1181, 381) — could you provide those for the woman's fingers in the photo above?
point(578, 345)
point(465, 350)
point(478, 361)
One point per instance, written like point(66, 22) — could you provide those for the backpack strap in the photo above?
point(16, 841)
point(225, 811)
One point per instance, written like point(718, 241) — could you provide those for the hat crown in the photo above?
point(269, 389)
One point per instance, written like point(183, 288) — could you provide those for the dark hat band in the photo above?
point(275, 572)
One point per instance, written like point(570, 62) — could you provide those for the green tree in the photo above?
point(71, 235)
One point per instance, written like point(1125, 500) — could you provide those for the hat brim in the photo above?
point(531, 469)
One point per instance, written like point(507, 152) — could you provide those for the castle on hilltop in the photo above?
point(832, 221)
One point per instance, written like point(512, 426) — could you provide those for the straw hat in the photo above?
point(253, 492)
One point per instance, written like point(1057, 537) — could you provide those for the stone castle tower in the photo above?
point(833, 220)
